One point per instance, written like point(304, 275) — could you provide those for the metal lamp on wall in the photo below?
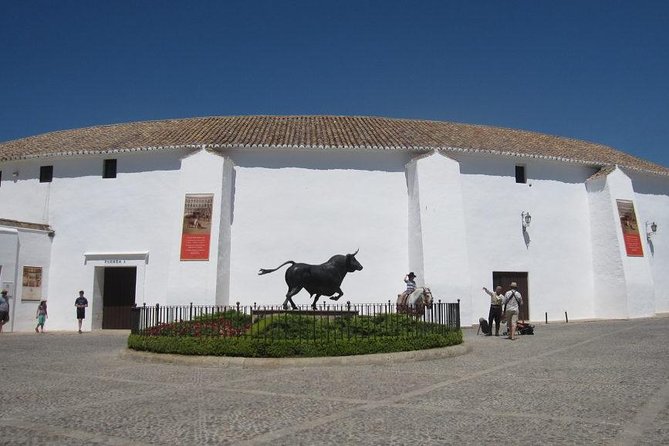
point(651, 229)
point(526, 219)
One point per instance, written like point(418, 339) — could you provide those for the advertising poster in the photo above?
point(630, 228)
point(196, 232)
point(32, 283)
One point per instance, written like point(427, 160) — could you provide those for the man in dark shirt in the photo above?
point(81, 303)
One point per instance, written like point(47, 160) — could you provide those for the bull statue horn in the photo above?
point(356, 251)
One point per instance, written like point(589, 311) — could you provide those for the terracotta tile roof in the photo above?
point(343, 132)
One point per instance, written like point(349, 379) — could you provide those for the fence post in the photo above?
point(191, 312)
point(566, 318)
point(458, 316)
point(157, 314)
point(134, 320)
point(547, 317)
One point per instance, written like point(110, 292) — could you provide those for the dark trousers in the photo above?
point(495, 315)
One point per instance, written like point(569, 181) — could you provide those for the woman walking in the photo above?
point(41, 316)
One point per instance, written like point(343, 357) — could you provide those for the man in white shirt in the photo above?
point(495, 313)
point(512, 302)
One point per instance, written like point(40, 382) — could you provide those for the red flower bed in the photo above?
point(208, 327)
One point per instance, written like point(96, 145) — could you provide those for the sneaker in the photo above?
point(79, 331)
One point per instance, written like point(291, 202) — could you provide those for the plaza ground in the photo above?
point(604, 382)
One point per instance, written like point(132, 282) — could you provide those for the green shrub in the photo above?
point(253, 347)
point(304, 326)
point(231, 333)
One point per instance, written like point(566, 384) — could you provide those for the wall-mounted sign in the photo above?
point(32, 283)
point(196, 232)
point(630, 228)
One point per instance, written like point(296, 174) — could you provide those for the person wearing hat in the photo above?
point(512, 302)
point(4, 308)
point(410, 281)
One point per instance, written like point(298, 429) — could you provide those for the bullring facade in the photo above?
point(180, 211)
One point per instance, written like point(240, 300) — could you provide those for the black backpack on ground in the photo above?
point(483, 325)
point(526, 329)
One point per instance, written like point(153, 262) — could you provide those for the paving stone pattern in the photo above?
point(604, 382)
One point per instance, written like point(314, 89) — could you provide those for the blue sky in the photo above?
point(585, 69)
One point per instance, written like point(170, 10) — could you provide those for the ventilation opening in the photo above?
point(521, 177)
point(45, 174)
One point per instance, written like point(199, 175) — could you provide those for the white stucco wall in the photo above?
point(195, 281)
point(452, 219)
point(9, 260)
point(609, 295)
point(307, 206)
point(20, 248)
point(439, 228)
point(555, 250)
point(639, 288)
point(651, 194)
point(139, 211)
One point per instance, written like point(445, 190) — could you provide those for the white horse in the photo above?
point(415, 303)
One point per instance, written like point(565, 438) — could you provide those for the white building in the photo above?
point(441, 199)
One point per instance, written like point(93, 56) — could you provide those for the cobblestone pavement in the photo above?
point(577, 383)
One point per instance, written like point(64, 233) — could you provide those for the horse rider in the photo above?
point(410, 281)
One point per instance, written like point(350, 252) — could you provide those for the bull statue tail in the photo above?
point(267, 271)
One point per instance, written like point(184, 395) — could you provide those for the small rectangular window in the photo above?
point(520, 174)
point(45, 174)
point(109, 169)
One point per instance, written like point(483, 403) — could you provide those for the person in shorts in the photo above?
point(41, 316)
point(81, 303)
point(4, 309)
point(512, 302)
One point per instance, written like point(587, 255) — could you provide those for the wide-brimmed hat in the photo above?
point(513, 285)
point(411, 274)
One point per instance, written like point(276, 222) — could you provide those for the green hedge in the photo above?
point(252, 347)
point(305, 326)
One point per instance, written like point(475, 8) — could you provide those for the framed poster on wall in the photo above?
point(32, 283)
point(630, 228)
point(196, 227)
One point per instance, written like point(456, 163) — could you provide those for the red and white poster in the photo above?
point(196, 233)
point(32, 283)
point(630, 228)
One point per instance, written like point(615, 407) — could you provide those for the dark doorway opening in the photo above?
point(118, 297)
point(504, 279)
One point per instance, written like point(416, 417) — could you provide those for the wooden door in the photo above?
point(504, 279)
point(118, 297)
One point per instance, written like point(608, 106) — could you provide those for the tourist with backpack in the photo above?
point(512, 302)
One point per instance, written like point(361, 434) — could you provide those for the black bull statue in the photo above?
point(319, 280)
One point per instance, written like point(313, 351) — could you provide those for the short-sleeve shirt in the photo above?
point(513, 300)
point(80, 301)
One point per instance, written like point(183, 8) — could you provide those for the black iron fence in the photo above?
point(345, 321)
